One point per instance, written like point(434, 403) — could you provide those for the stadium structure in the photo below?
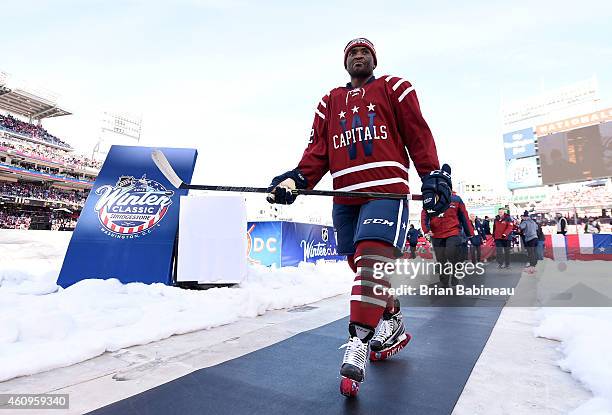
point(43, 182)
point(558, 156)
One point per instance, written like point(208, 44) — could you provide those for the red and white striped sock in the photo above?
point(369, 298)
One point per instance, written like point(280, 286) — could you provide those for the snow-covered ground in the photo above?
point(533, 344)
point(565, 290)
point(43, 327)
point(586, 338)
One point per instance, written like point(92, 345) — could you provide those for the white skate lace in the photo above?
point(384, 331)
point(356, 352)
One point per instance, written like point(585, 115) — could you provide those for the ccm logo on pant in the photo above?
point(378, 222)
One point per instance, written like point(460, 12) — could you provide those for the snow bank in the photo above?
point(30, 260)
point(585, 335)
point(43, 327)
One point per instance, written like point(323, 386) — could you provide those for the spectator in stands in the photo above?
point(10, 218)
point(502, 230)
point(561, 224)
point(40, 192)
point(21, 217)
point(46, 153)
point(529, 231)
point(10, 123)
point(413, 240)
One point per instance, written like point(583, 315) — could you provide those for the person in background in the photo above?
point(592, 226)
point(486, 227)
point(478, 222)
point(516, 235)
point(476, 240)
point(413, 240)
point(502, 229)
point(445, 230)
point(561, 224)
point(463, 246)
point(541, 238)
point(529, 231)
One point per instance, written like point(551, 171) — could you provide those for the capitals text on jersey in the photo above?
point(359, 134)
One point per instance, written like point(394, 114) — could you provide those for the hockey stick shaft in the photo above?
point(164, 166)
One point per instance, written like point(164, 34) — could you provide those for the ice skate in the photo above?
point(353, 366)
point(390, 338)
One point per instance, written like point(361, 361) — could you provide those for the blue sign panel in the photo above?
point(519, 144)
point(522, 173)
point(127, 228)
point(264, 243)
point(308, 243)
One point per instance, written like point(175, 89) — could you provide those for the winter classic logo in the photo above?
point(322, 249)
point(132, 207)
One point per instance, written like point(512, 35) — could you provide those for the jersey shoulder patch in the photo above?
point(399, 87)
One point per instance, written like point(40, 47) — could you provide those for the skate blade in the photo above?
point(387, 353)
point(349, 387)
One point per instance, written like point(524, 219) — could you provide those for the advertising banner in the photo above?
point(264, 243)
point(127, 228)
point(519, 144)
point(575, 122)
point(308, 243)
point(287, 244)
point(586, 247)
point(522, 173)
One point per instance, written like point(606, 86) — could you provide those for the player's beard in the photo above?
point(362, 72)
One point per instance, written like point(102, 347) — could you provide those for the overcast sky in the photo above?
point(240, 80)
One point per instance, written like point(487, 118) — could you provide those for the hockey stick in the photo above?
point(164, 166)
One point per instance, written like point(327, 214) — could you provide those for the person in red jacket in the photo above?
point(502, 228)
point(445, 232)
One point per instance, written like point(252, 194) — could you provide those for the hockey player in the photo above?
point(445, 235)
point(360, 134)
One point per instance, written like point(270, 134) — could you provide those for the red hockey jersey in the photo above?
point(360, 135)
point(450, 222)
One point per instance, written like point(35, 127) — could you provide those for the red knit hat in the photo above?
point(360, 41)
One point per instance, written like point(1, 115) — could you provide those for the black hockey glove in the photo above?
point(283, 195)
point(436, 190)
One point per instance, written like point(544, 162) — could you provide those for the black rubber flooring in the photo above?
point(300, 375)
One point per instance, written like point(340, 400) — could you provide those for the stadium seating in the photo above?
point(48, 154)
point(584, 197)
point(10, 123)
point(35, 191)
